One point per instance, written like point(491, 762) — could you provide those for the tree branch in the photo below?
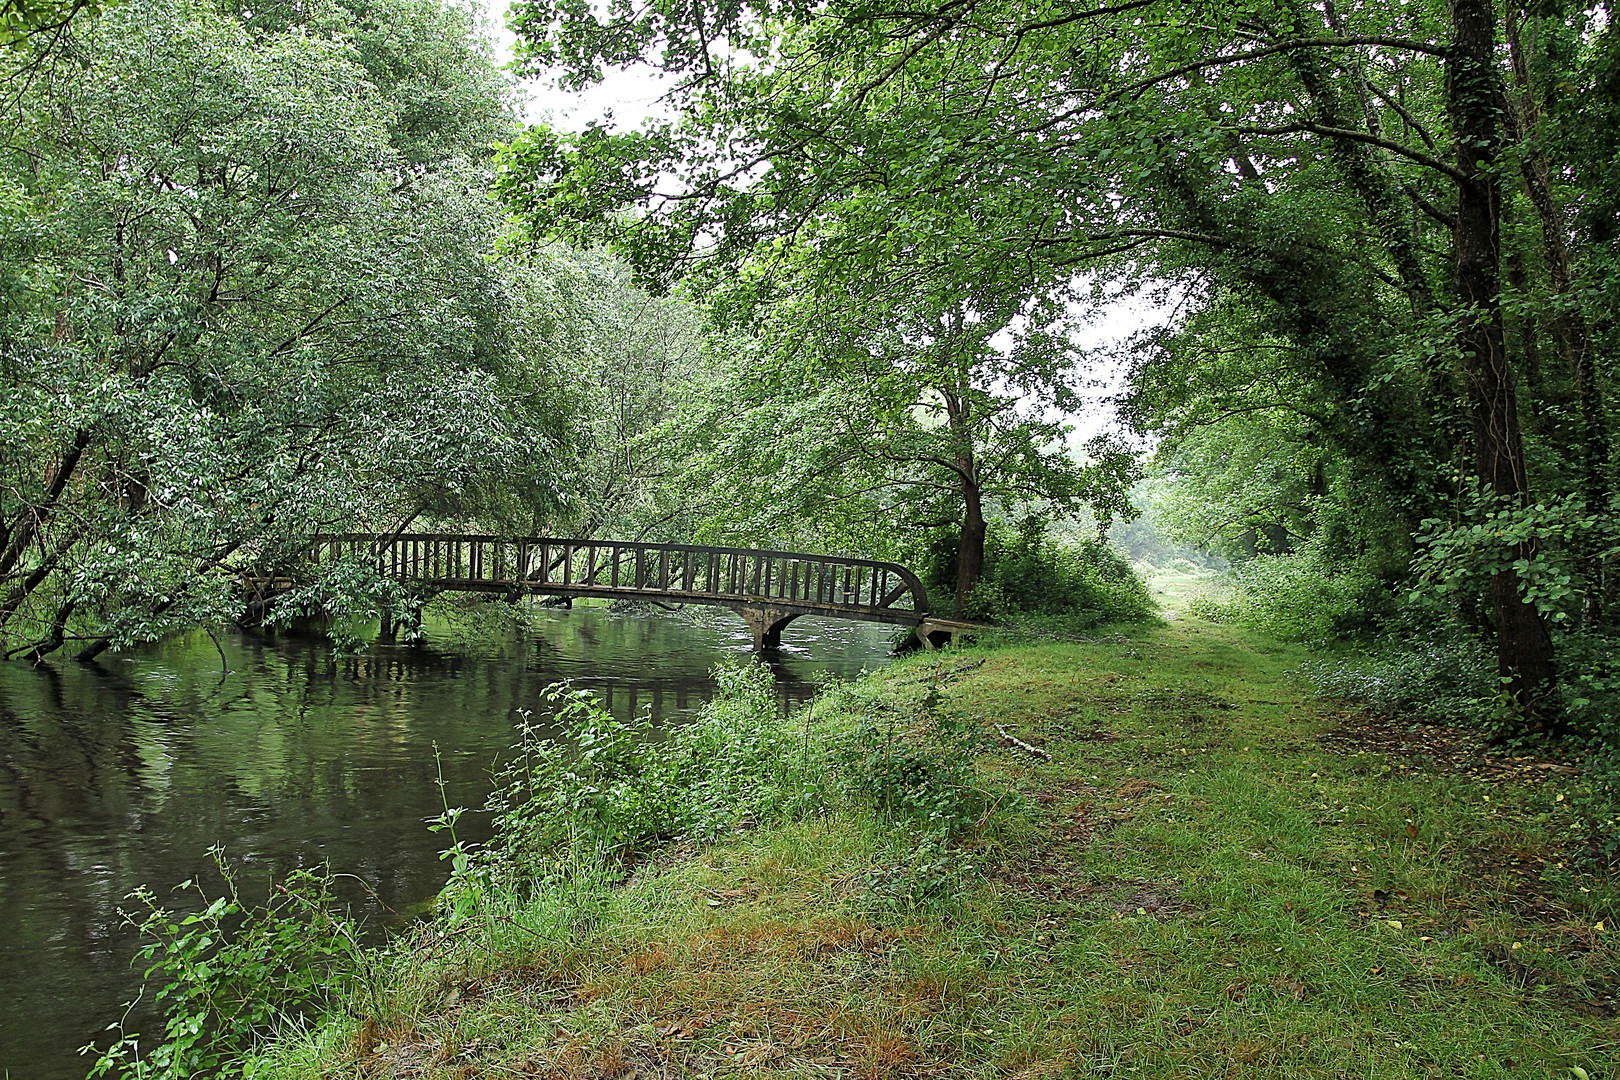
point(1306, 127)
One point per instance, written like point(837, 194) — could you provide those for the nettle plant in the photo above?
point(589, 784)
point(915, 766)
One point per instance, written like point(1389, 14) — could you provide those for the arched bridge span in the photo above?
point(769, 589)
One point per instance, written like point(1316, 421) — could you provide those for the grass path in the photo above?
point(1212, 876)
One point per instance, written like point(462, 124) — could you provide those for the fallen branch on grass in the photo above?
point(1012, 740)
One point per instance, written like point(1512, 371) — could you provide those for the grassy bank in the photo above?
point(1213, 875)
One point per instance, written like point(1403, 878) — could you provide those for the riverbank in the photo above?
point(1212, 874)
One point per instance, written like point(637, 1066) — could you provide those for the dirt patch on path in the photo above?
point(1436, 748)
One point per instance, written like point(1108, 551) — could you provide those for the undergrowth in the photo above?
point(1182, 866)
point(583, 800)
point(1033, 578)
point(235, 974)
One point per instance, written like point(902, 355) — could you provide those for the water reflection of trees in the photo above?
point(125, 772)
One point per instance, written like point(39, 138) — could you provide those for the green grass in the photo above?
point(1197, 884)
point(1175, 588)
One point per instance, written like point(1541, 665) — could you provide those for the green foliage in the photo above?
point(605, 788)
point(597, 787)
point(914, 766)
point(22, 19)
point(1436, 678)
point(1589, 679)
point(1550, 547)
point(601, 789)
point(354, 596)
point(1029, 573)
point(1301, 597)
point(1089, 578)
point(247, 299)
point(1290, 178)
point(1596, 802)
point(742, 760)
point(865, 419)
point(232, 975)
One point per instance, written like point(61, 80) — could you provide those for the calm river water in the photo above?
point(124, 773)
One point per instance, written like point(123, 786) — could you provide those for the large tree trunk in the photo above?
point(1523, 646)
point(970, 552)
point(962, 461)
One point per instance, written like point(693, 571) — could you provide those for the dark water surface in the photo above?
point(124, 773)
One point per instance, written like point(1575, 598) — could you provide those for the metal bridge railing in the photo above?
point(861, 589)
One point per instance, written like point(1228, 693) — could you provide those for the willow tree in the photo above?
point(247, 298)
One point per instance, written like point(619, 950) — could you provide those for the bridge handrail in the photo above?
point(377, 544)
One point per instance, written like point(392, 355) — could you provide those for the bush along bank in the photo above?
point(1183, 866)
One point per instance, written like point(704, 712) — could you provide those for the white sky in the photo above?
point(630, 97)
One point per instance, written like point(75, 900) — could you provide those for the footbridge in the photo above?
point(768, 589)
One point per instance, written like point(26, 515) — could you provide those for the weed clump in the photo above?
point(235, 975)
point(607, 788)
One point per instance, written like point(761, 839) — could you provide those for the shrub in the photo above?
point(233, 975)
point(1028, 573)
point(1086, 576)
point(608, 787)
point(1300, 597)
point(567, 809)
point(1589, 676)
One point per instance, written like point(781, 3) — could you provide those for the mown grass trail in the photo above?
point(1212, 876)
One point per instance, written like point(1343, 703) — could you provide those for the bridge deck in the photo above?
point(783, 583)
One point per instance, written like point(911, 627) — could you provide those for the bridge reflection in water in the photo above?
point(769, 589)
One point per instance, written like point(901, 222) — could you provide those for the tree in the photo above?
point(635, 363)
point(1336, 176)
point(248, 300)
point(898, 403)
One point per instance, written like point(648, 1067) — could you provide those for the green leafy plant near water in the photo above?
point(610, 788)
point(576, 806)
point(235, 974)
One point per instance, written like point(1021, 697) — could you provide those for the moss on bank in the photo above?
point(1213, 875)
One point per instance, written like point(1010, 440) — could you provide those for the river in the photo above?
point(125, 772)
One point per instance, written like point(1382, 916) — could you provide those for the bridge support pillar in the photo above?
point(937, 633)
point(392, 622)
point(767, 624)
